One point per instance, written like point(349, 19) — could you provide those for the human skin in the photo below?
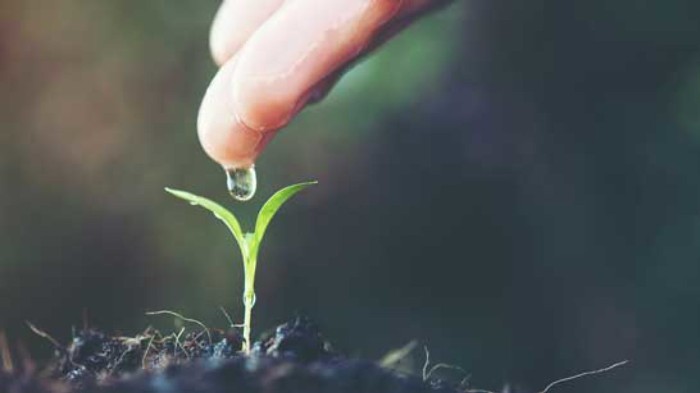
point(277, 56)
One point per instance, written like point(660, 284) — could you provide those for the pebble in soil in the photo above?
point(294, 359)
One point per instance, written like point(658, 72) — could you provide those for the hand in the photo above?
point(276, 56)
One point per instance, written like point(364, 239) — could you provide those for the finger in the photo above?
point(235, 21)
point(229, 139)
point(223, 137)
point(298, 46)
point(408, 13)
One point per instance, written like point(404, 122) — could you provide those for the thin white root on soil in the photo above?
point(145, 353)
point(564, 380)
point(584, 374)
point(229, 319)
point(445, 366)
point(179, 344)
point(227, 316)
point(177, 315)
point(428, 372)
point(45, 335)
point(426, 364)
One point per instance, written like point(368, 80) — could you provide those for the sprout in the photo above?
point(248, 242)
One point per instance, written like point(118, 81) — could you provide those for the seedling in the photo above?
point(248, 242)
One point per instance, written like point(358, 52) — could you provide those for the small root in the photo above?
point(131, 347)
point(564, 380)
point(465, 381)
point(145, 353)
point(230, 320)
point(427, 373)
point(426, 364)
point(445, 366)
point(46, 336)
point(174, 314)
point(179, 344)
point(227, 316)
point(584, 374)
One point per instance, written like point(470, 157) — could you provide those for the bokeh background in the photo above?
point(514, 183)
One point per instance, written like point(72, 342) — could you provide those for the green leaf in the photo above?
point(250, 261)
point(219, 211)
point(273, 204)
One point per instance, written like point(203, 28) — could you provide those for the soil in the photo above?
point(294, 359)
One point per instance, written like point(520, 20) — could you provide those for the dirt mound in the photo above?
point(295, 359)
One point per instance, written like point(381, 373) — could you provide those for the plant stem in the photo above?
point(248, 303)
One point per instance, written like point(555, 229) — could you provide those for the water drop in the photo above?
point(241, 183)
point(249, 299)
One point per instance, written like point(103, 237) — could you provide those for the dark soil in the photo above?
point(294, 359)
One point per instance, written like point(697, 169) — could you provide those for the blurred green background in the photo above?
point(515, 183)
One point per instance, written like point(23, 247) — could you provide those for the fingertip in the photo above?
point(286, 60)
point(222, 135)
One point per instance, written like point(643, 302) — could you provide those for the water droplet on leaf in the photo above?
point(241, 183)
point(249, 299)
